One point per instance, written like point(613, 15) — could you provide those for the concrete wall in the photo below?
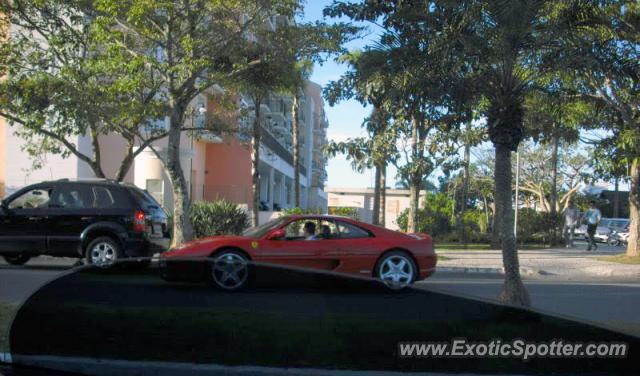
point(19, 170)
point(362, 199)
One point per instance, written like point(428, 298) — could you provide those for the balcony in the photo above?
point(276, 116)
point(280, 150)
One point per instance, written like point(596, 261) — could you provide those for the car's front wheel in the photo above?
point(19, 259)
point(103, 252)
point(229, 270)
point(396, 269)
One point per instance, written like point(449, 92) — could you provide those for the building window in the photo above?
point(155, 187)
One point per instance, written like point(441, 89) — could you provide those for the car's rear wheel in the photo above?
point(229, 270)
point(103, 252)
point(19, 259)
point(396, 269)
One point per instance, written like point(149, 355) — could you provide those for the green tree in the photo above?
point(423, 68)
point(57, 88)
point(510, 42)
point(605, 59)
point(553, 116)
point(368, 84)
point(189, 46)
point(309, 43)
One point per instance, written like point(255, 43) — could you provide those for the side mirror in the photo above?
point(276, 234)
point(4, 207)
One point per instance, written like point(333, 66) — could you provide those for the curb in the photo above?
point(113, 367)
point(477, 270)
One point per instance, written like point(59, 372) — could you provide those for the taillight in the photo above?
point(139, 221)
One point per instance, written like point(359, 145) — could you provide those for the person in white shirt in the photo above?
point(570, 220)
point(593, 218)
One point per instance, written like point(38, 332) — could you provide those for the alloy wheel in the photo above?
point(229, 271)
point(103, 254)
point(396, 271)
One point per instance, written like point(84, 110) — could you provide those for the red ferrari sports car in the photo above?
point(322, 242)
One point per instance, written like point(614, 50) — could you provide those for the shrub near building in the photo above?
point(218, 218)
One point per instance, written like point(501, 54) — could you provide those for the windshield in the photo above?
point(263, 229)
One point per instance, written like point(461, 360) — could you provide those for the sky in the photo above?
point(345, 118)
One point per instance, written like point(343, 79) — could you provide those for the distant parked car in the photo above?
point(607, 225)
point(99, 220)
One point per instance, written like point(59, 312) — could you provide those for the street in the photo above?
point(610, 303)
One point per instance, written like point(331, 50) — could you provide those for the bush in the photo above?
point(434, 219)
point(218, 218)
point(299, 211)
point(534, 226)
point(344, 212)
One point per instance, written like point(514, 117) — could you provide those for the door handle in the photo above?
point(36, 218)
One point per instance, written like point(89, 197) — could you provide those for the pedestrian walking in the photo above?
point(570, 220)
point(592, 217)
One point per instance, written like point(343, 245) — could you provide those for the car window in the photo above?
point(145, 198)
point(349, 231)
point(618, 224)
point(327, 230)
point(72, 197)
point(37, 198)
point(263, 229)
point(109, 198)
point(295, 230)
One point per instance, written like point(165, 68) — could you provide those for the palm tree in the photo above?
point(508, 40)
point(367, 83)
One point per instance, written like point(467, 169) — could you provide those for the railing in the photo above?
point(269, 141)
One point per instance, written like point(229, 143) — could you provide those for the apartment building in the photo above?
point(215, 167)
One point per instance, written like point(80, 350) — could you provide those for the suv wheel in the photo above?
point(103, 252)
point(19, 259)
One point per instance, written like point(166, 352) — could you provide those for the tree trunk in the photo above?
point(616, 199)
point(375, 215)
point(127, 161)
point(255, 162)
point(414, 197)
point(553, 196)
point(295, 128)
point(465, 191)
point(486, 210)
point(496, 236)
point(513, 291)
point(96, 163)
point(383, 194)
point(414, 181)
point(182, 228)
point(633, 248)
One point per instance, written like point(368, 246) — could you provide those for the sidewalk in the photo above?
point(561, 262)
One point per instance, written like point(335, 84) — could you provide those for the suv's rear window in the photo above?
point(144, 198)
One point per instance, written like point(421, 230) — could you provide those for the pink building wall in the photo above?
point(227, 172)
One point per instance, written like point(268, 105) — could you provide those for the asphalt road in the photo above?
point(612, 304)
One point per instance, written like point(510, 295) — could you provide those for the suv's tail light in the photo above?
point(139, 221)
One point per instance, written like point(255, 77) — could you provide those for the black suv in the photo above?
point(100, 220)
